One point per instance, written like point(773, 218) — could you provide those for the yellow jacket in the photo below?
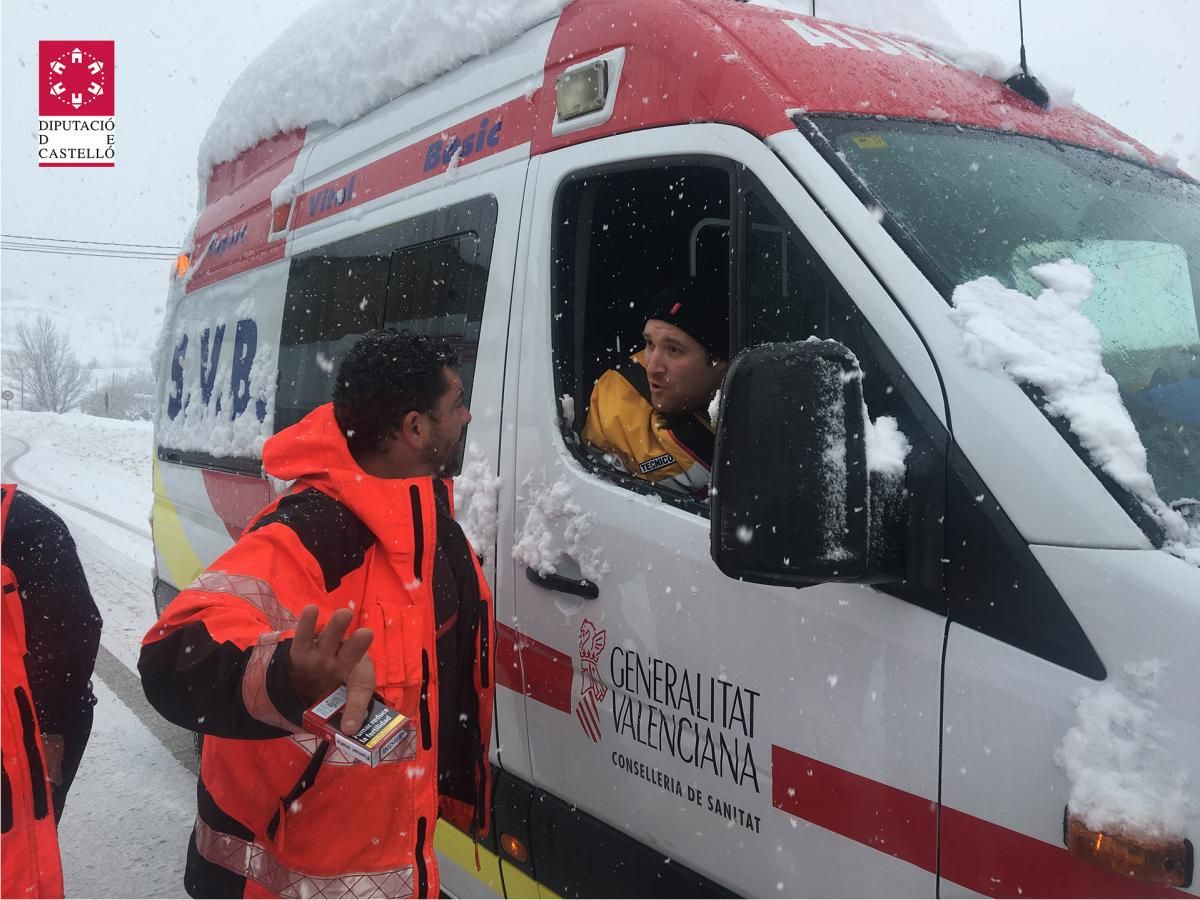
point(672, 451)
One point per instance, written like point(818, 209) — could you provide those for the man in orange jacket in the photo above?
point(364, 542)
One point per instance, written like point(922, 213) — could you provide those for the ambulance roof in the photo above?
point(724, 61)
point(750, 65)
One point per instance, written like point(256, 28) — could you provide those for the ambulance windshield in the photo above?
point(973, 203)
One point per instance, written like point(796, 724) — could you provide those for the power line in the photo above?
point(67, 248)
point(32, 237)
point(85, 254)
point(86, 251)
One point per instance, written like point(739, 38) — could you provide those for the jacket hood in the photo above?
point(313, 452)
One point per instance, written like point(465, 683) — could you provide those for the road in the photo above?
point(125, 828)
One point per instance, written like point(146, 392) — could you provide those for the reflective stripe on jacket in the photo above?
point(30, 864)
point(276, 816)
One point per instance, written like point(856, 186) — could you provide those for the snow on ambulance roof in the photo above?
point(337, 61)
point(825, 67)
point(701, 60)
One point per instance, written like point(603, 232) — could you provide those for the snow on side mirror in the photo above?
point(790, 488)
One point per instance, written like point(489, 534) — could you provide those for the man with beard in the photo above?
point(357, 577)
point(649, 413)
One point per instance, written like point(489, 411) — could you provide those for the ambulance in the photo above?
point(701, 697)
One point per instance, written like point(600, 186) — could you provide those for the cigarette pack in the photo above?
point(382, 730)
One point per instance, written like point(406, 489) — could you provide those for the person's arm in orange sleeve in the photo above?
point(220, 660)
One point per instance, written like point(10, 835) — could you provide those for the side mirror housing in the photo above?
point(791, 490)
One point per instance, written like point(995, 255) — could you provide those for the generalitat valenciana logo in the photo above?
point(77, 104)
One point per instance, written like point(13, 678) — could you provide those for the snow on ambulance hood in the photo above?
point(1048, 342)
point(336, 62)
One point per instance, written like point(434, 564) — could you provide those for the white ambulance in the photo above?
point(702, 698)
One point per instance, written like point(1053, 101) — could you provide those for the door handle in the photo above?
point(580, 587)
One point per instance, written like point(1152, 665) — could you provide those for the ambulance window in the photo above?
point(334, 296)
point(622, 234)
point(427, 274)
point(789, 295)
point(437, 289)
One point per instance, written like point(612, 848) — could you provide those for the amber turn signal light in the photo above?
point(514, 847)
point(182, 261)
point(1153, 860)
point(279, 217)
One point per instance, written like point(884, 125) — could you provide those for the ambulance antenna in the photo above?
point(1021, 25)
point(814, 6)
point(1023, 83)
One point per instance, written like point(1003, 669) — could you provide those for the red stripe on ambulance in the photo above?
point(892, 821)
point(236, 498)
point(979, 855)
point(232, 233)
point(498, 129)
point(548, 674)
point(997, 862)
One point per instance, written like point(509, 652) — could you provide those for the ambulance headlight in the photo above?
point(582, 90)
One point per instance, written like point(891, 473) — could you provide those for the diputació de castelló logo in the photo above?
point(77, 104)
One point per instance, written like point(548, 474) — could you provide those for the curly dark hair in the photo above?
point(386, 375)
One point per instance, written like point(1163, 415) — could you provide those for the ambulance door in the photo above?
point(691, 734)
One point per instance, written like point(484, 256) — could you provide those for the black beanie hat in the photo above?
point(698, 308)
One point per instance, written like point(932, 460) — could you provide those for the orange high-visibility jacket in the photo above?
point(279, 814)
point(29, 861)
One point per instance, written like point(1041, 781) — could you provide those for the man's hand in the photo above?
point(322, 663)
point(52, 746)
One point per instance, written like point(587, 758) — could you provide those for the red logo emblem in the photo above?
point(76, 78)
point(592, 690)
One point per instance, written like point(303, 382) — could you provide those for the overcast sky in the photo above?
point(1134, 64)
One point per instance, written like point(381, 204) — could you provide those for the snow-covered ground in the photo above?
point(125, 829)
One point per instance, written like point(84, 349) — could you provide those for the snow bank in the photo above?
point(334, 64)
point(1048, 342)
point(476, 501)
point(127, 445)
point(1121, 777)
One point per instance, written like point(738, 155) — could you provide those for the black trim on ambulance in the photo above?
point(228, 464)
point(576, 855)
point(995, 585)
point(163, 595)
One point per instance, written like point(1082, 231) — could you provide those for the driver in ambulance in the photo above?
point(650, 412)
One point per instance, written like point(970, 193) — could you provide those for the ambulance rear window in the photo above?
point(426, 274)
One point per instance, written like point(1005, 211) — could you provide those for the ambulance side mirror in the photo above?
point(790, 488)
